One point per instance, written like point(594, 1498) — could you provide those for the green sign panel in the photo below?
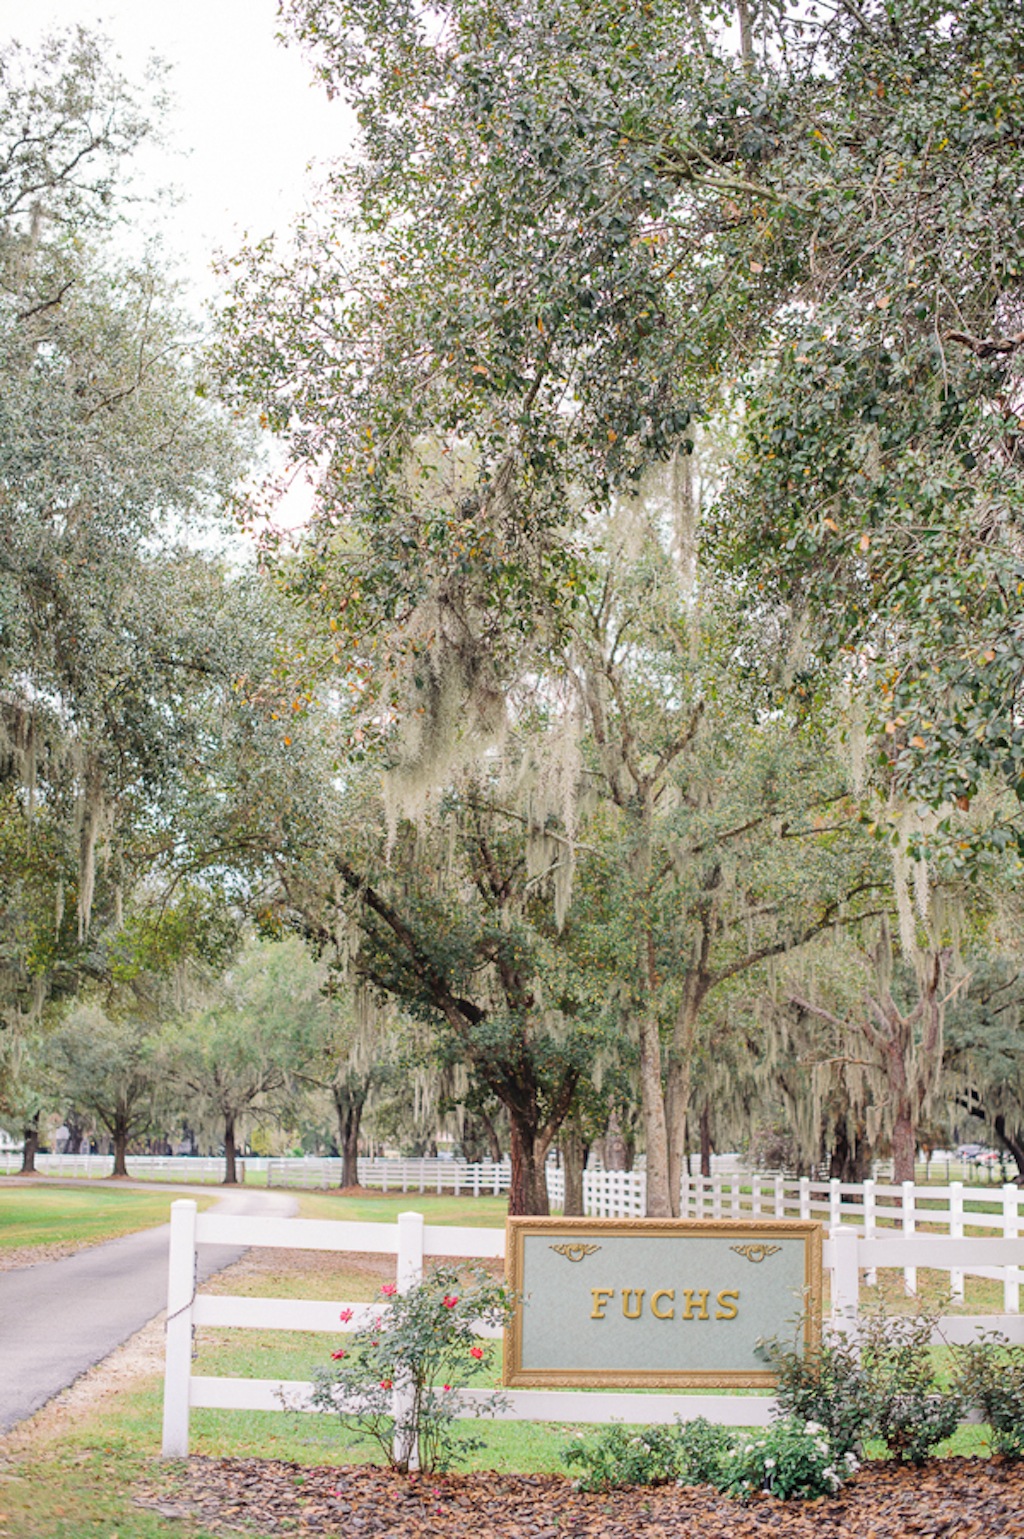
point(644, 1302)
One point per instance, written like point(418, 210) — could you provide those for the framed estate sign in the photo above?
point(648, 1302)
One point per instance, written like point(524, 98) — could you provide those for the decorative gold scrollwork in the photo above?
point(755, 1252)
point(575, 1251)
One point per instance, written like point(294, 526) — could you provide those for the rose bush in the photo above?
point(394, 1381)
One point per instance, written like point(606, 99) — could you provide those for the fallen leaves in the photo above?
point(946, 1499)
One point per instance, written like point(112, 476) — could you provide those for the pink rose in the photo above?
point(389, 1290)
point(339, 1355)
point(385, 1383)
point(476, 1352)
point(449, 1301)
point(345, 1316)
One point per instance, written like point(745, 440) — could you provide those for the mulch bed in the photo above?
point(945, 1499)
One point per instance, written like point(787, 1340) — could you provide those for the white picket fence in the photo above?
point(875, 1207)
point(846, 1254)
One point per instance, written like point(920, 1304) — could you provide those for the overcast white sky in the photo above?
point(247, 119)
point(246, 123)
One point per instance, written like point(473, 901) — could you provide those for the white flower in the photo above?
point(811, 1427)
point(769, 1464)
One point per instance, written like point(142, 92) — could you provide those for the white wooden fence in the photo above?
point(845, 1254)
point(388, 1175)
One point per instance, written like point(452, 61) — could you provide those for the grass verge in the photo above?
point(34, 1216)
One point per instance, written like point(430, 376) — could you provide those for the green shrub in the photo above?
point(880, 1382)
point(990, 1374)
point(617, 1456)
point(703, 1448)
point(793, 1458)
point(911, 1412)
point(826, 1384)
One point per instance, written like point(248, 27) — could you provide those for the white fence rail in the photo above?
point(846, 1254)
point(876, 1207)
point(429, 1175)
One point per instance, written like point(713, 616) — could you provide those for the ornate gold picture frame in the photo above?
point(657, 1303)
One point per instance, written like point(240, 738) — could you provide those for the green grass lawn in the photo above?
point(384, 1208)
point(37, 1215)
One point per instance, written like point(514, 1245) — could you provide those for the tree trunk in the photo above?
point(1013, 1142)
point(230, 1166)
point(705, 1140)
point(350, 1115)
point(493, 1141)
point(680, 1068)
point(30, 1148)
point(572, 1154)
point(528, 1193)
point(120, 1131)
point(904, 1142)
point(659, 1201)
point(614, 1145)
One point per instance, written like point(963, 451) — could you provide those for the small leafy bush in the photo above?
point(912, 1412)
point(393, 1382)
point(880, 1382)
point(826, 1384)
point(990, 1374)
point(791, 1459)
point(703, 1449)
point(617, 1456)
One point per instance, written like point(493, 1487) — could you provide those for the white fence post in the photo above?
point(1011, 1277)
point(408, 1272)
point(871, 1275)
point(181, 1292)
point(780, 1198)
point(835, 1204)
point(909, 1225)
point(956, 1232)
point(805, 1196)
point(845, 1279)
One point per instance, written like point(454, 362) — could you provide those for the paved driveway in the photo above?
point(59, 1318)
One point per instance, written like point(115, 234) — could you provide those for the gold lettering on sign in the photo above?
point(727, 1302)
point(663, 1293)
point(627, 1293)
point(601, 1297)
point(701, 1294)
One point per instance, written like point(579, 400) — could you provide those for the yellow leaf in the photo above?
point(865, 542)
point(918, 742)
